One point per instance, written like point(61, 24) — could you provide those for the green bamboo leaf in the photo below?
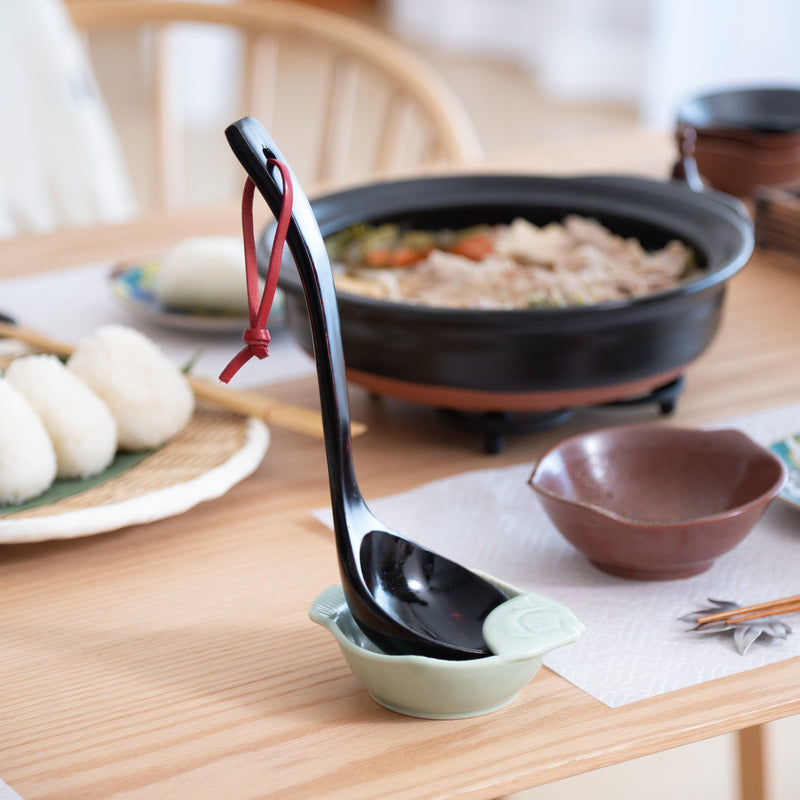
point(61, 489)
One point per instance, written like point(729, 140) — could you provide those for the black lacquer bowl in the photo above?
point(741, 139)
point(542, 358)
point(745, 113)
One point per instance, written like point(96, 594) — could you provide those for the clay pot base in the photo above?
point(478, 400)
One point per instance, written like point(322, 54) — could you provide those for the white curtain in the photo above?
point(60, 162)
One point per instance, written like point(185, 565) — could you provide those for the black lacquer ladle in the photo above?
point(406, 599)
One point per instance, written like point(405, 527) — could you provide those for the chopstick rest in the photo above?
point(747, 623)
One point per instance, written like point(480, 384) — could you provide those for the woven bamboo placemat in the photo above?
point(213, 452)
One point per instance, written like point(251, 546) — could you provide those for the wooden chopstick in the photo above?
point(784, 605)
point(284, 415)
point(35, 339)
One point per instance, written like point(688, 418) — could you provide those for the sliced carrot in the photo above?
point(474, 246)
point(378, 258)
point(399, 257)
point(406, 256)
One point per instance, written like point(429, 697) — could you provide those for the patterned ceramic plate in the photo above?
point(789, 450)
point(132, 286)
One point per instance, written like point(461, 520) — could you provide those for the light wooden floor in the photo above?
point(495, 93)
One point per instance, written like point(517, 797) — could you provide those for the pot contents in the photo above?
point(520, 265)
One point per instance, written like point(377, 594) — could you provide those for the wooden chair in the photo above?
point(343, 101)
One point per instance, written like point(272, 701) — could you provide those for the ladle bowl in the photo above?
point(407, 599)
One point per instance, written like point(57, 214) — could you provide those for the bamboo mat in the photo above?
point(210, 438)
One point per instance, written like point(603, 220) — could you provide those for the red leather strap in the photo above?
point(256, 337)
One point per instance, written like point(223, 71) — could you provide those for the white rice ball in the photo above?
point(206, 273)
point(80, 424)
point(27, 457)
point(150, 398)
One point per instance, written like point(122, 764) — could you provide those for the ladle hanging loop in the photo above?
point(256, 337)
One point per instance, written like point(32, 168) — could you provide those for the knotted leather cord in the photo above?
point(256, 337)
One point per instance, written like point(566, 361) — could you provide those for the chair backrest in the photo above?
point(343, 101)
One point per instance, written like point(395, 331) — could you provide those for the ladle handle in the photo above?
point(685, 170)
point(685, 167)
point(252, 145)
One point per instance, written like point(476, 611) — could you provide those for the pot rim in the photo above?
point(337, 210)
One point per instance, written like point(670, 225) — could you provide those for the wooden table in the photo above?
point(176, 660)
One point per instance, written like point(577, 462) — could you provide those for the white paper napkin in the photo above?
point(634, 646)
point(70, 304)
point(7, 793)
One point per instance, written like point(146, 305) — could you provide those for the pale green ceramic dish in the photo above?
point(519, 631)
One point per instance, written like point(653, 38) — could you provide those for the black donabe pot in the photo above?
point(531, 359)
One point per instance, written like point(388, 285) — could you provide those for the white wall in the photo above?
point(701, 45)
point(650, 54)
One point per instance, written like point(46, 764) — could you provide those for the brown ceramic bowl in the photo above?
point(743, 138)
point(656, 502)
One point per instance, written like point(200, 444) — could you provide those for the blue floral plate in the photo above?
point(132, 286)
point(788, 450)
